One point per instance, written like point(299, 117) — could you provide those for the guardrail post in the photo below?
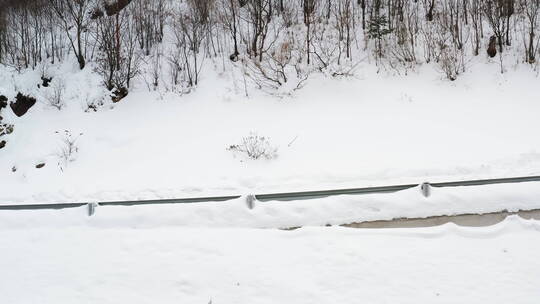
point(426, 189)
point(92, 208)
point(250, 201)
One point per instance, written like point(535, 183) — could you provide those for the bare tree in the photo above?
point(24, 33)
point(229, 16)
point(430, 7)
point(475, 12)
point(260, 14)
point(498, 13)
point(74, 16)
point(149, 19)
point(446, 50)
point(344, 14)
point(309, 8)
point(3, 34)
point(531, 9)
point(117, 61)
point(192, 27)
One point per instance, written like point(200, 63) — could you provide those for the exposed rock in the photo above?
point(115, 7)
point(111, 7)
point(2, 144)
point(45, 81)
point(6, 129)
point(96, 13)
point(40, 165)
point(22, 104)
point(13, 169)
point(3, 102)
point(118, 94)
point(492, 48)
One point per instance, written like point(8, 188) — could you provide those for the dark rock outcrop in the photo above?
point(115, 7)
point(6, 129)
point(492, 48)
point(3, 102)
point(45, 81)
point(118, 94)
point(22, 104)
point(111, 8)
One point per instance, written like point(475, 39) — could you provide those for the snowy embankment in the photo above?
point(446, 264)
point(367, 130)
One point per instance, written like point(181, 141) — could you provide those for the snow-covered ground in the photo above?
point(445, 264)
point(357, 122)
point(315, 212)
point(370, 129)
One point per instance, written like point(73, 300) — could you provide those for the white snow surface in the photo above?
point(368, 130)
point(444, 264)
point(275, 214)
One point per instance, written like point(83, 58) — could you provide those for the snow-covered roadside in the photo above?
point(446, 264)
point(274, 214)
point(367, 130)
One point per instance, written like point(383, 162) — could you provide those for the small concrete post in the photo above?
point(250, 201)
point(426, 189)
point(92, 208)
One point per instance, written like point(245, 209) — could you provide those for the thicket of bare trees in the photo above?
point(277, 43)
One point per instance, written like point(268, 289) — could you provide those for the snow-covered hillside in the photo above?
point(370, 129)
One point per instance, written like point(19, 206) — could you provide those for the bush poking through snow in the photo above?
point(93, 103)
point(255, 147)
point(3, 127)
point(68, 149)
point(6, 129)
point(55, 95)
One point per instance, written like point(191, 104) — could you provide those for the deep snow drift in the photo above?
point(445, 264)
point(370, 129)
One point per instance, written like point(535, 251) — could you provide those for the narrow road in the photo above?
point(471, 220)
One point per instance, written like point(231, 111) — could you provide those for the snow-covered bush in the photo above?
point(255, 147)
point(68, 150)
point(445, 49)
point(93, 104)
point(451, 61)
point(54, 95)
point(4, 128)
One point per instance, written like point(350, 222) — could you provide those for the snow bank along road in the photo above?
point(445, 264)
point(211, 251)
point(445, 199)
